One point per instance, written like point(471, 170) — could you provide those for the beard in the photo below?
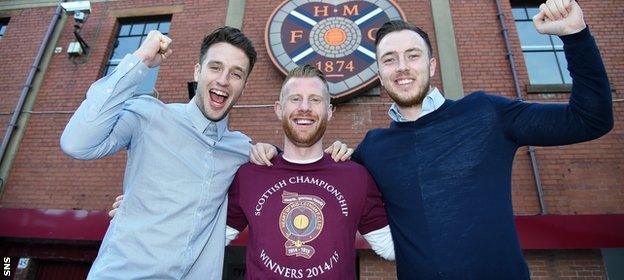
point(406, 101)
point(305, 139)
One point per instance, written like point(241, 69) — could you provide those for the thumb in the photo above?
point(539, 20)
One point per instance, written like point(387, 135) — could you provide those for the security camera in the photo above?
point(77, 7)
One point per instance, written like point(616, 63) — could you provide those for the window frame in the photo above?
point(554, 50)
point(112, 62)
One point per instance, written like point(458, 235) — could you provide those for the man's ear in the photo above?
point(278, 110)
point(196, 72)
point(330, 112)
point(432, 66)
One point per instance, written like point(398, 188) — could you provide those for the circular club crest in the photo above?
point(338, 37)
point(301, 222)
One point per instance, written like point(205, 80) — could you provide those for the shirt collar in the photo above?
point(432, 102)
point(204, 125)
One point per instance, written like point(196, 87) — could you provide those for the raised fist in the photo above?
point(155, 49)
point(559, 17)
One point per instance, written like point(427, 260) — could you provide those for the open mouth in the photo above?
point(218, 96)
point(303, 121)
point(404, 81)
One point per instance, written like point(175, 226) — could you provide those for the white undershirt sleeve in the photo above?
point(231, 234)
point(380, 241)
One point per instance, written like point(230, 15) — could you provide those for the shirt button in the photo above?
point(109, 90)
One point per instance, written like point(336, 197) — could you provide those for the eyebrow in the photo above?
point(236, 67)
point(388, 53)
point(415, 49)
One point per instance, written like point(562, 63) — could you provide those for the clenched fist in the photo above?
point(559, 17)
point(155, 49)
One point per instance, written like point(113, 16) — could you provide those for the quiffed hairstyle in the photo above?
point(232, 36)
point(305, 71)
point(398, 25)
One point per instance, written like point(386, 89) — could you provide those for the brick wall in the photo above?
point(42, 176)
point(18, 47)
point(565, 264)
point(373, 267)
point(578, 179)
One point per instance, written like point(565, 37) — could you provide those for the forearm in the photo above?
point(90, 131)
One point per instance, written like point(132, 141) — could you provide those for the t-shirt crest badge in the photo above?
point(301, 221)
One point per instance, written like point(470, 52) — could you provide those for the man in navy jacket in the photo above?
point(444, 167)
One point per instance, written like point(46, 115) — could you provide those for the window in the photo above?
point(3, 24)
point(543, 54)
point(130, 35)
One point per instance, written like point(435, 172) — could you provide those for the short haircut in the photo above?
point(398, 25)
point(231, 36)
point(305, 71)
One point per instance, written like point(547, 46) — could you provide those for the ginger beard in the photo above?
point(304, 129)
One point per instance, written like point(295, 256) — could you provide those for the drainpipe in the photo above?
point(24, 95)
point(512, 63)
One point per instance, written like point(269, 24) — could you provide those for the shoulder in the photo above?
point(480, 101)
point(144, 104)
point(495, 100)
point(346, 167)
point(477, 96)
point(237, 136)
point(249, 168)
point(238, 141)
point(374, 134)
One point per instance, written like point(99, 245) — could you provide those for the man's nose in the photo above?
point(402, 65)
point(304, 105)
point(223, 79)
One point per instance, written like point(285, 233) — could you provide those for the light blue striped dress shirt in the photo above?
point(432, 102)
point(180, 166)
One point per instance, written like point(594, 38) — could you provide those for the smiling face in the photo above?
point(304, 110)
point(405, 67)
point(221, 78)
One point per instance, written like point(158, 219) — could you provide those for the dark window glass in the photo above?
point(543, 54)
point(130, 35)
point(3, 24)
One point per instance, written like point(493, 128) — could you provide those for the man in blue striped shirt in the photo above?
point(181, 159)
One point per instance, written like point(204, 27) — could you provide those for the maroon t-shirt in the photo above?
point(303, 218)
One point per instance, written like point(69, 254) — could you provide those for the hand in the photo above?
point(155, 49)
point(116, 205)
point(559, 17)
point(339, 151)
point(262, 153)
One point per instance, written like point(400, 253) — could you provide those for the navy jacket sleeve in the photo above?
point(588, 115)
